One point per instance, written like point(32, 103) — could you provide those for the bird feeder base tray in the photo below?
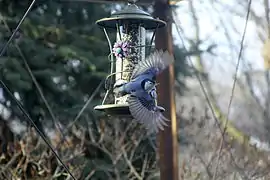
point(114, 109)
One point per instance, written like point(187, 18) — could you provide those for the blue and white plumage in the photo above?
point(142, 89)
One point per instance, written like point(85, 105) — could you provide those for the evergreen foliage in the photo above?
point(65, 50)
point(68, 55)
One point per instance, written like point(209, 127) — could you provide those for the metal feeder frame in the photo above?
point(130, 22)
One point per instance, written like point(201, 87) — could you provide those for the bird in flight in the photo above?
point(142, 91)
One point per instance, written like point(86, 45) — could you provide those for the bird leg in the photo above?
point(154, 96)
point(158, 108)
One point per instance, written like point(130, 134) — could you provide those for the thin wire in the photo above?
point(112, 63)
point(267, 71)
point(81, 111)
point(152, 39)
point(17, 102)
point(34, 125)
point(233, 88)
point(86, 104)
point(204, 91)
point(17, 28)
point(118, 30)
point(198, 77)
point(266, 9)
point(36, 83)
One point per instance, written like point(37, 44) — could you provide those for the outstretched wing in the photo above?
point(142, 110)
point(155, 62)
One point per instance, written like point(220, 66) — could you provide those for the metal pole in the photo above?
point(168, 147)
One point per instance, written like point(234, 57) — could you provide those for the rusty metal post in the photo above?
point(168, 147)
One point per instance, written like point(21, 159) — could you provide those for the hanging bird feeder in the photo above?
point(130, 24)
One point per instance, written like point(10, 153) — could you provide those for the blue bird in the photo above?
point(142, 97)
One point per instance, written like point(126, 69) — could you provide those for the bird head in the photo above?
point(148, 85)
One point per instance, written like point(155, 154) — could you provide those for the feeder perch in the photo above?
point(130, 25)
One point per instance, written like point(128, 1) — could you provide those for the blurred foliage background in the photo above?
point(67, 54)
point(61, 56)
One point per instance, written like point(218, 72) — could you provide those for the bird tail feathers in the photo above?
point(152, 120)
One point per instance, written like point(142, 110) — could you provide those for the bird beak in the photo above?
point(157, 84)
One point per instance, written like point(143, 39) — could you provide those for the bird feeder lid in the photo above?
point(132, 14)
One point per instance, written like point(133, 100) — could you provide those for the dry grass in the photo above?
point(112, 149)
point(119, 149)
